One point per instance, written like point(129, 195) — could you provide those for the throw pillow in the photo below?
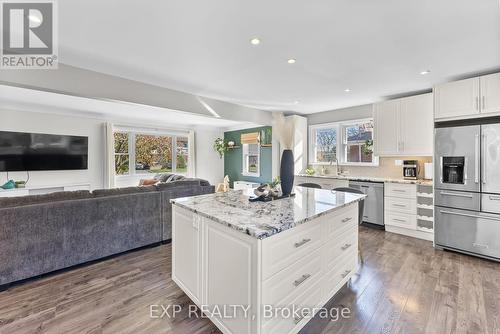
point(148, 182)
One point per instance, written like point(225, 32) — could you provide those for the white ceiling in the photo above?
point(22, 99)
point(377, 48)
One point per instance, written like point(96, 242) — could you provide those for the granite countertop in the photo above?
point(370, 179)
point(264, 219)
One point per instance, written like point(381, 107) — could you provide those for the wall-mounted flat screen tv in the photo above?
point(21, 151)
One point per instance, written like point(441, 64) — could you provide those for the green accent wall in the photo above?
point(233, 159)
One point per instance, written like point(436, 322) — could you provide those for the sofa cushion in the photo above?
point(8, 202)
point(123, 191)
point(164, 177)
point(148, 182)
point(174, 184)
point(203, 183)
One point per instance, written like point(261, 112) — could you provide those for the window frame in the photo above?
point(341, 144)
point(244, 167)
point(133, 132)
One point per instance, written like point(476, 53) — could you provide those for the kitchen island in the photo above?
point(264, 267)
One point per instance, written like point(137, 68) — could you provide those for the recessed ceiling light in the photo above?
point(347, 90)
point(255, 41)
point(291, 61)
point(425, 72)
point(295, 102)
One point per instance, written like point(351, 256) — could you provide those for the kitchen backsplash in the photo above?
point(386, 168)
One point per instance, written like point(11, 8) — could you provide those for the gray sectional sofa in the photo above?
point(44, 233)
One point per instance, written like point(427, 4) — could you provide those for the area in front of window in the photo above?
point(346, 143)
point(137, 153)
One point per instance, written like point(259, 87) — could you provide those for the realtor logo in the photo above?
point(28, 34)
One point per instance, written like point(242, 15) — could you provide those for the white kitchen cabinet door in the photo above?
point(417, 125)
point(386, 127)
point(490, 93)
point(230, 275)
point(457, 99)
point(186, 263)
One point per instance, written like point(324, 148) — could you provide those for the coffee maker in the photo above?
point(410, 169)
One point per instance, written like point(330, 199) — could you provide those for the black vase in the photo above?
point(286, 172)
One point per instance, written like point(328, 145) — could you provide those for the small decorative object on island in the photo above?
point(269, 192)
point(284, 129)
point(230, 144)
point(310, 171)
point(9, 185)
point(220, 146)
point(223, 187)
point(20, 184)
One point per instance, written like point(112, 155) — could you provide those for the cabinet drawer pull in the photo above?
point(301, 280)
point(302, 243)
point(345, 220)
point(347, 272)
point(399, 220)
point(494, 198)
point(399, 190)
point(399, 205)
point(345, 246)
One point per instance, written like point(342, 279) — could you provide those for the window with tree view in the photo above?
point(137, 153)
point(325, 144)
point(153, 154)
point(347, 143)
point(358, 141)
point(122, 157)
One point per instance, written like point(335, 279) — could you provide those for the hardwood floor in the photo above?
point(405, 286)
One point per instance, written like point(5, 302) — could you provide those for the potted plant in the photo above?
point(220, 146)
point(368, 147)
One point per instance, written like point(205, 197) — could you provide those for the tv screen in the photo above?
point(20, 151)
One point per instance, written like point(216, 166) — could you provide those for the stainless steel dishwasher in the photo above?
point(374, 202)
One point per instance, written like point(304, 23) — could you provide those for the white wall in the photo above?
point(23, 121)
point(208, 164)
point(339, 115)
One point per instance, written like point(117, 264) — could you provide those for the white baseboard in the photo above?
point(410, 233)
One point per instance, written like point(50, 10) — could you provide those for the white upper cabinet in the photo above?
point(386, 129)
point(456, 99)
point(404, 126)
point(469, 98)
point(490, 93)
point(417, 125)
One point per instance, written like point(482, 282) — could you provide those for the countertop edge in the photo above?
point(370, 179)
point(264, 235)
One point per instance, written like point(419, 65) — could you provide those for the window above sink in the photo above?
point(349, 143)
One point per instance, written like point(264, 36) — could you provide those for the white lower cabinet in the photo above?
point(400, 211)
point(300, 268)
point(186, 264)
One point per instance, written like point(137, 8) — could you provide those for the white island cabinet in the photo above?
point(242, 263)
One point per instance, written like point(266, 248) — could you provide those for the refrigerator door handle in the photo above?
point(441, 170)
point(483, 172)
point(468, 215)
point(476, 160)
point(445, 193)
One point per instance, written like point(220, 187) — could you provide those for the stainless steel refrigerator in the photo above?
point(467, 196)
